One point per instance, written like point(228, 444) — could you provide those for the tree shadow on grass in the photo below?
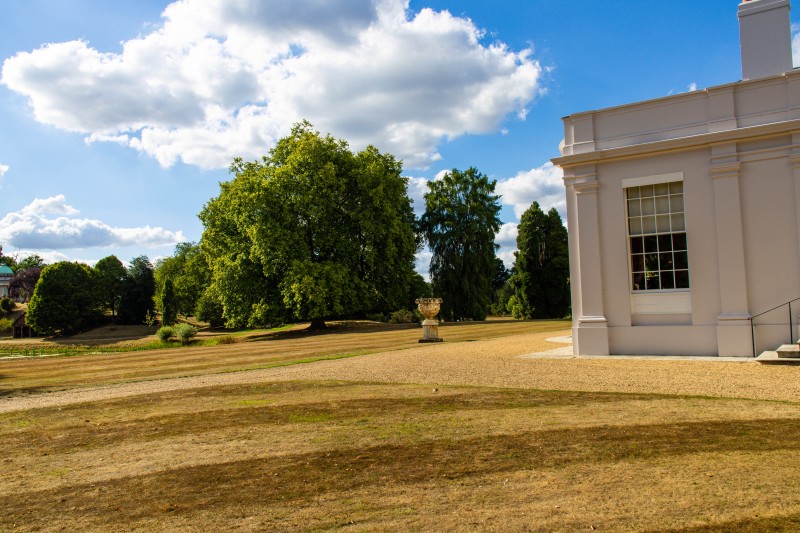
point(6, 392)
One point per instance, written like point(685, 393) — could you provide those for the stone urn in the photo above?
point(429, 308)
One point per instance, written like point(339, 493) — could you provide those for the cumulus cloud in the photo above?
point(507, 256)
point(50, 223)
point(543, 184)
point(417, 187)
point(796, 45)
point(507, 236)
point(219, 79)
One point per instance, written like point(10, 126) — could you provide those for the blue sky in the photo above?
point(118, 119)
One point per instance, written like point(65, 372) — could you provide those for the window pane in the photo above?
point(662, 204)
point(652, 280)
point(676, 187)
point(634, 208)
point(637, 245)
point(651, 263)
point(681, 279)
point(665, 261)
point(664, 243)
point(681, 260)
point(679, 241)
point(662, 189)
point(638, 281)
point(676, 203)
point(677, 223)
point(651, 244)
point(637, 263)
point(667, 280)
point(648, 206)
point(632, 192)
point(646, 191)
point(662, 223)
point(649, 224)
point(635, 227)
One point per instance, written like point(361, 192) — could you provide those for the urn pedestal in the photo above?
point(429, 308)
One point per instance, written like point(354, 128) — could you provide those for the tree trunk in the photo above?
point(317, 324)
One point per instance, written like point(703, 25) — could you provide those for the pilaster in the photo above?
point(592, 327)
point(733, 325)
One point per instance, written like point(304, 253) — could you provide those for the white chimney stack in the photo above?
point(766, 38)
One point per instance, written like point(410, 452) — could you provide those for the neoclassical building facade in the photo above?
point(684, 211)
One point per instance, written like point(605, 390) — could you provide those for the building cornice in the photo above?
point(679, 144)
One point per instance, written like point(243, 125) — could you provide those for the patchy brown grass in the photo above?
point(321, 455)
point(33, 375)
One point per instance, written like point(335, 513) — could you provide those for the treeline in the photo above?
point(314, 231)
point(71, 297)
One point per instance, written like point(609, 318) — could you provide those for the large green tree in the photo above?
point(190, 274)
point(459, 224)
point(64, 300)
point(109, 275)
point(312, 231)
point(137, 292)
point(541, 278)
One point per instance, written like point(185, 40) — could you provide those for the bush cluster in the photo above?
point(185, 332)
point(403, 316)
point(165, 333)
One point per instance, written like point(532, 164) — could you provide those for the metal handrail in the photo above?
point(753, 326)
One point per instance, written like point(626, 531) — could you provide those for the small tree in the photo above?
point(110, 275)
point(169, 304)
point(137, 292)
point(64, 301)
point(541, 278)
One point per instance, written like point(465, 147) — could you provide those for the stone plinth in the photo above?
point(429, 308)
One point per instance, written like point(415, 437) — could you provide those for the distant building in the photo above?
point(5, 279)
point(684, 212)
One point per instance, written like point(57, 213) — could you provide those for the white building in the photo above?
point(684, 212)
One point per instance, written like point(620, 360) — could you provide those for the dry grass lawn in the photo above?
point(358, 455)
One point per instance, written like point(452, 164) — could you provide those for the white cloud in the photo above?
point(220, 79)
point(507, 236)
point(796, 45)
point(50, 223)
point(3, 170)
point(507, 256)
point(543, 184)
point(692, 87)
point(417, 188)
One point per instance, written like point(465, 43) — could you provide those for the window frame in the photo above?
point(659, 179)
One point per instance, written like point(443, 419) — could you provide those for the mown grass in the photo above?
point(96, 367)
point(322, 455)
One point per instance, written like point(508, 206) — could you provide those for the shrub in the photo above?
point(227, 339)
point(5, 324)
point(165, 333)
point(377, 317)
point(185, 332)
point(403, 316)
point(6, 305)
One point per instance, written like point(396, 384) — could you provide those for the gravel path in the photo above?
point(515, 361)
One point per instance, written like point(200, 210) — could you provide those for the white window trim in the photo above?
point(662, 301)
point(651, 180)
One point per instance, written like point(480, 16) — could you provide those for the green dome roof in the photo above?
point(5, 270)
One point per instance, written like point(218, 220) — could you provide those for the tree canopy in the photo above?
point(137, 292)
point(110, 275)
point(190, 276)
point(312, 231)
point(64, 301)
point(23, 283)
point(459, 224)
point(541, 278)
